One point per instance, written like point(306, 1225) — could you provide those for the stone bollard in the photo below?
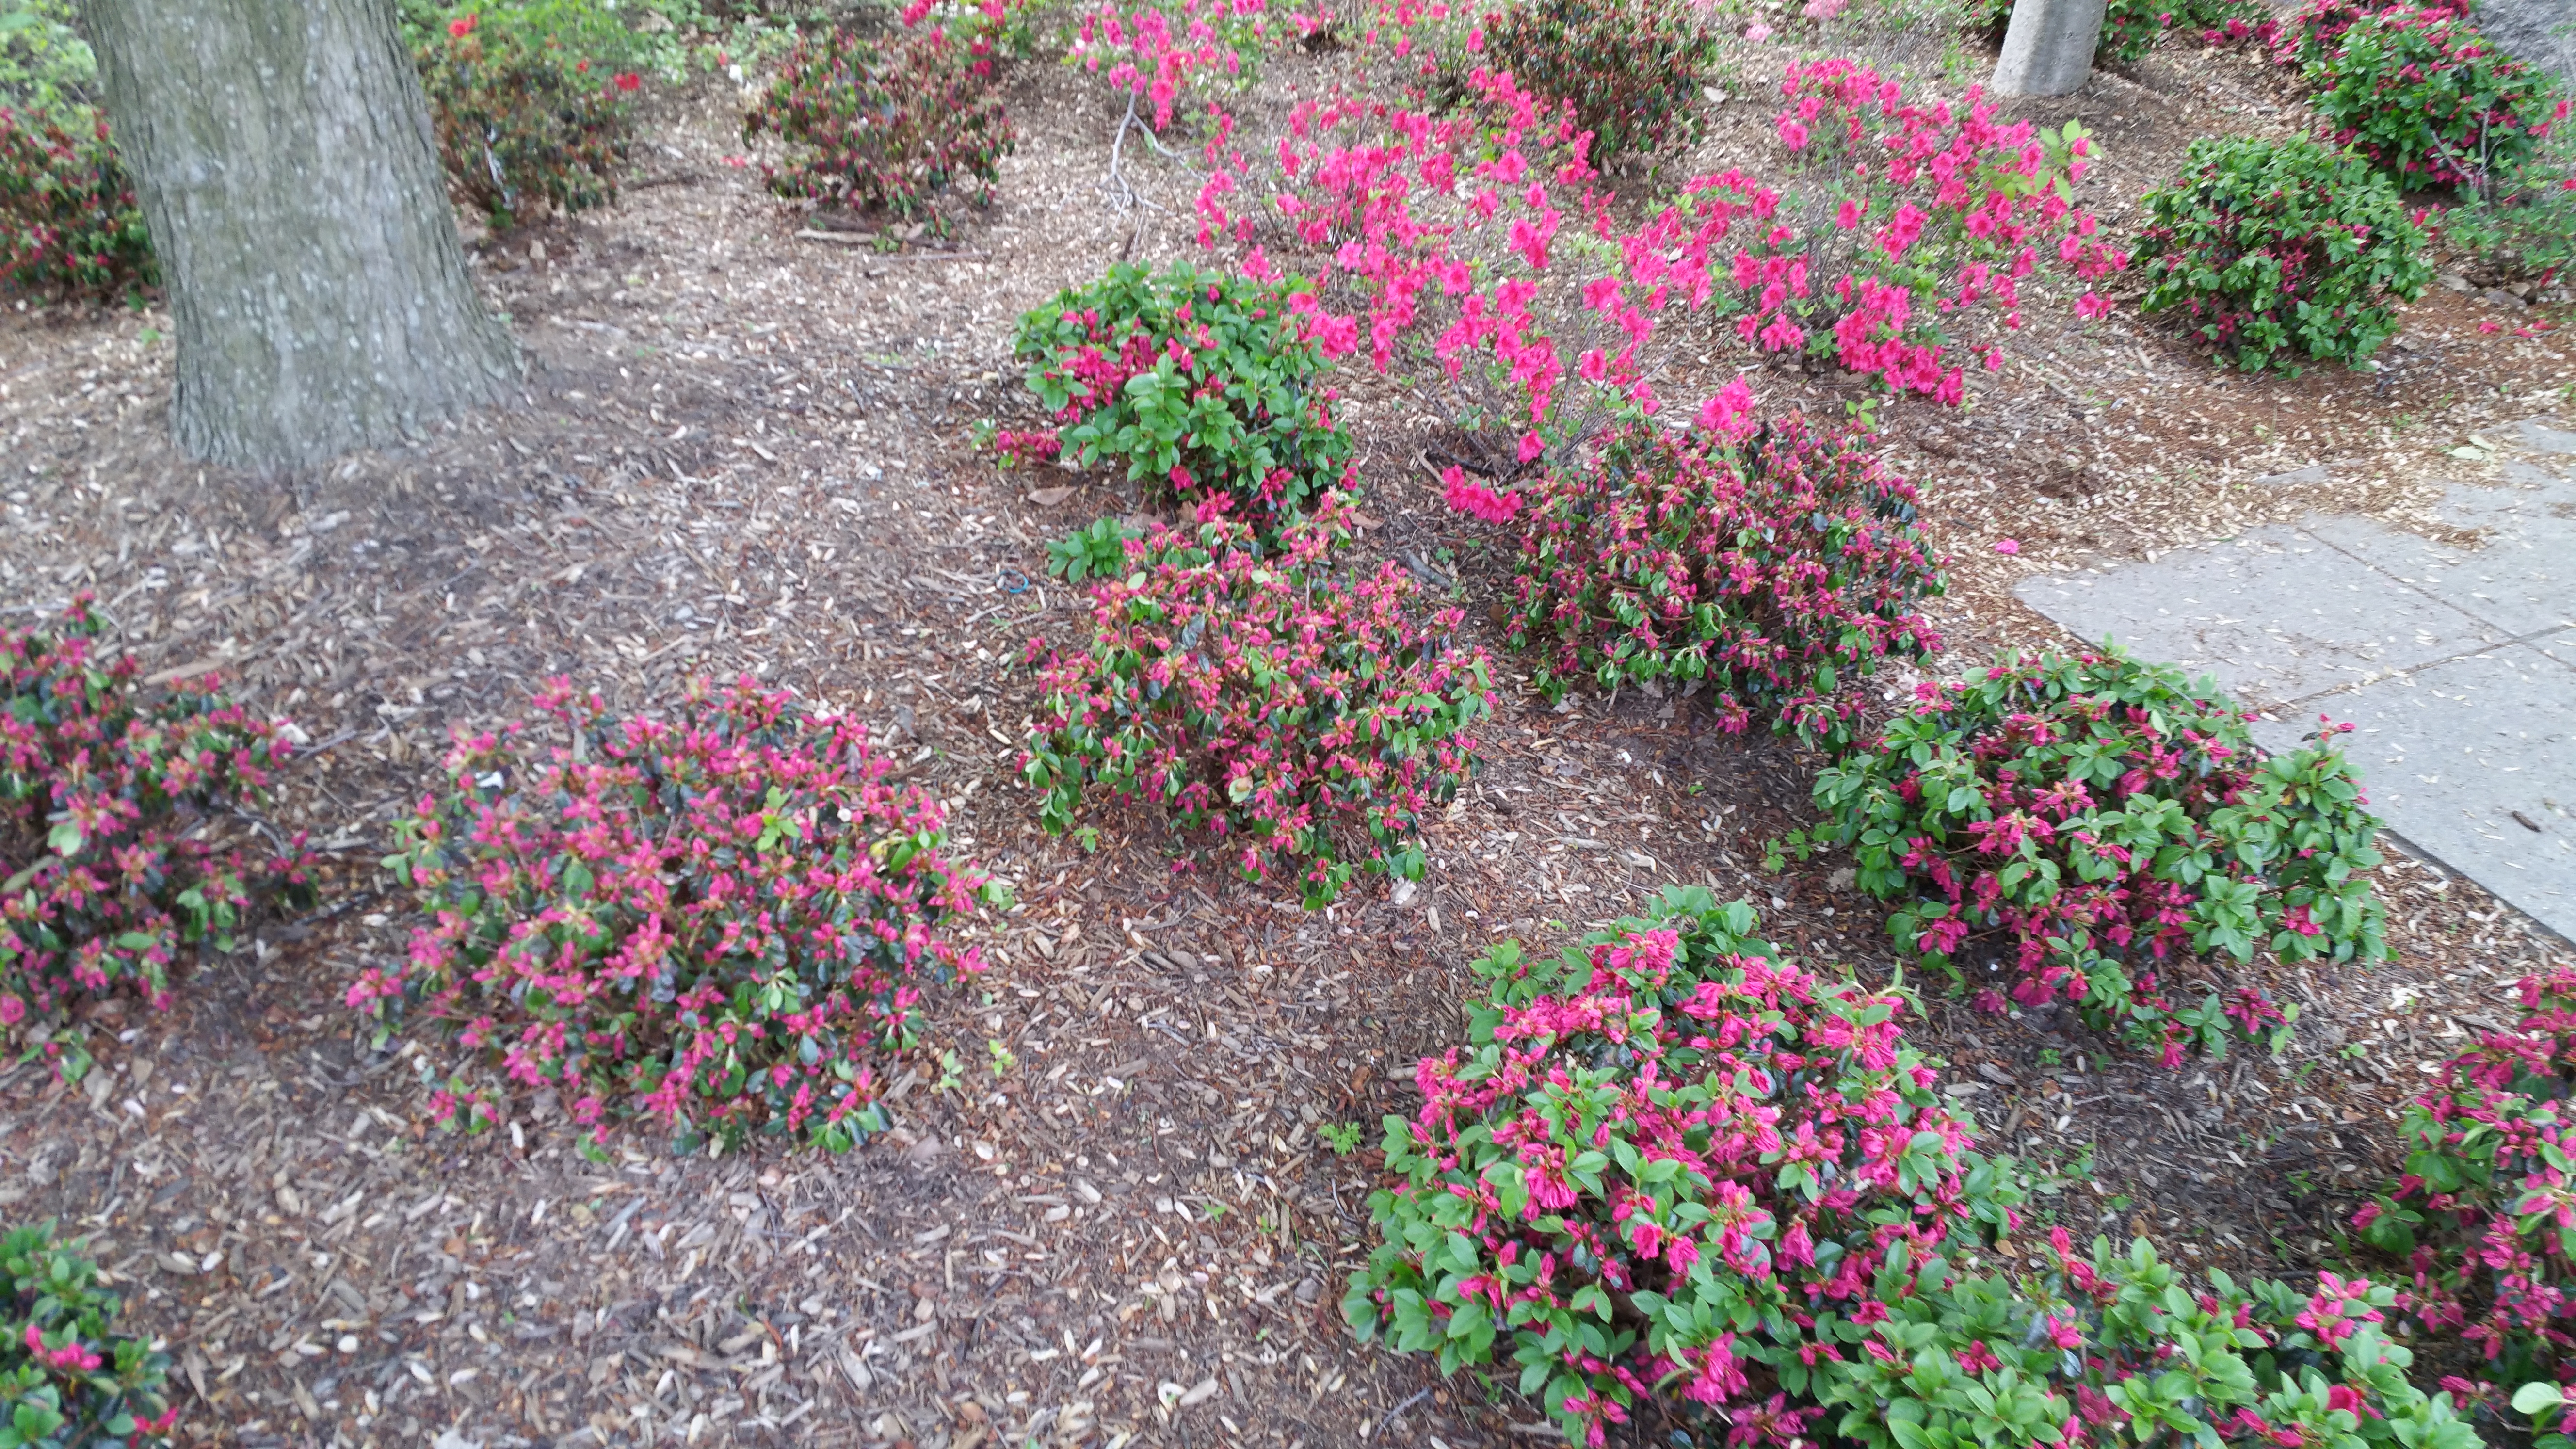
point(2048, 48)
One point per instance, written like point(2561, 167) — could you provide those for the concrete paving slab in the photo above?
point(2520, 582)
point(2275, 616)
point(2543, 435)
point(2457, 757)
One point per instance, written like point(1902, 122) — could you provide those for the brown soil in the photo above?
point(746, 450)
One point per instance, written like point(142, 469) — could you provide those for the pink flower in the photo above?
point(1757, 32)
point(2007, 547)
point(462, 28)
point(1477, 500)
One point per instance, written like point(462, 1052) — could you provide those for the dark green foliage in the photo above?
point(2275, 252)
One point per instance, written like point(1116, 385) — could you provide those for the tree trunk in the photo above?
point(2048, 48)
point(283, 155)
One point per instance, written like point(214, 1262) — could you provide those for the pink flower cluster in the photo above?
point(109, 836)
point(1311, 723)
point(2485, 1215)
point(719, 919)
point(1775, 563)
point(1935, 208)
point(1458, 227)
point(1154, 51)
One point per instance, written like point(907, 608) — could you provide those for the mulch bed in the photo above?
point(746, 450)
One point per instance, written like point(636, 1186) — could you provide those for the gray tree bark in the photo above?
point(2048, 48)
point(283, 155)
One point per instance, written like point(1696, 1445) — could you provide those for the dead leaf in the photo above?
point(1049, 497)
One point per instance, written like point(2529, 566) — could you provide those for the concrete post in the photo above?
point(2048, 48)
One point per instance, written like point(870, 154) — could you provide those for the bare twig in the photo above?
point(1127, 197)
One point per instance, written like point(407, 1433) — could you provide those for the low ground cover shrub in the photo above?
point(67, 1379)
point(2088, 821)
point(1673, 1164)
point(1310, 723)
point(1631, 69)
point(1779, 564)
point(69, 223)
point(1208, 385)
point(2275, 252)
point(2481, 1215)
point(525, 125)
point(892, 132)
point(2520, 222)
point(719, 920)
point(114, 856)
point(2426, 96)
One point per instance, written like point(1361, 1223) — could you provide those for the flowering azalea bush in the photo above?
point(67, 1379)
point(1777, 562)
point(2520, 221)
point(1207, 385)
point(1629, 68)
point(2086, 822)
point(113, 855)
point(1654, 1155)
point(1918, 212)
point(718, 919)
point(1489, 237)
point(524, 126)
point(877, 132)
point(2278, 251)
point(2483, 1217)
point(2429, 98)
point(1310, 723)
point(1672, 1164)
point(68, 219)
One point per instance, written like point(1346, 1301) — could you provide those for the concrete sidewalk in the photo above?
point(2457, 666)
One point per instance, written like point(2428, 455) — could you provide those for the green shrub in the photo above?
point(719, 920)
point(2425, 95)
point(2277, 251)
point(1631, 69)
point(1778, 567)
point(2478, 1216)
point(2092, 819)
point(2522, 221)
point(69, 223)
point(525, 125)
point(1310, 724)
point(67, 1381)
point(1673, 1164)
point(44, 63)
point(114, 853)
point(1207, 385)
point(873, 132)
